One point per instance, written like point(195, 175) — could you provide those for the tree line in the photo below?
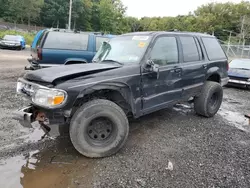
point(110, 16)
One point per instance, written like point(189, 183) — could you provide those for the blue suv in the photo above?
point(53, 47)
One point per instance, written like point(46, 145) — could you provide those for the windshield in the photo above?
point(11, 37)
point(123, 49)
point(240, 64)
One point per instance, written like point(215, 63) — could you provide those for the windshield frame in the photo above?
point(143, 54)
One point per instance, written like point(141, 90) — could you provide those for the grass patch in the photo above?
point(28, 36)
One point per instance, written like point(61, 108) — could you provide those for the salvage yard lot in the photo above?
point(169, 148)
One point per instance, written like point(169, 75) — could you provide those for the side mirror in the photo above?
point(152, 67)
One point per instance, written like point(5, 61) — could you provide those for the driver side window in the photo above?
point(165, 51)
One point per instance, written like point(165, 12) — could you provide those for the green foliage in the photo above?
point(28, 36)
point(20, 11)
point(54, 13)
point(109, 16)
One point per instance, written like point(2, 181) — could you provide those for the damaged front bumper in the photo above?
point(50, 121)
point(25, 116)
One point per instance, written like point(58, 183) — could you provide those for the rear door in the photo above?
point(193, 66)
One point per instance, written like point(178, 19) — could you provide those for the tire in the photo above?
point(208, 103)
point(99, 128)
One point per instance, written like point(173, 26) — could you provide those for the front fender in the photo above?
point(120, 87)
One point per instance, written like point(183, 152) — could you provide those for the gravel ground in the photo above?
point(169, 148)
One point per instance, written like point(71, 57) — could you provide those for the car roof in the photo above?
point(81, 32)
point(153, 33)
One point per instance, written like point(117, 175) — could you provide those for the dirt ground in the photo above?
point(169, 148)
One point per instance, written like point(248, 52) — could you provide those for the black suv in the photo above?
point(134, 74)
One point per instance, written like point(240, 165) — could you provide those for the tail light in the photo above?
point(228, 65)
point(39, 53)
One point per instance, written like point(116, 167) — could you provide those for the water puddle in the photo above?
point(10, 170)
point(60, 167)
point(235, 118)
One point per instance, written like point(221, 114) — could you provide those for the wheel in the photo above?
point(99, 128)
point(209, 102)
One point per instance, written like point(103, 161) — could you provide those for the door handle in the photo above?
point(204, 66)
point(177, 70)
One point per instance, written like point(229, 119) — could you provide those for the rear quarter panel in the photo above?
point(218, 67)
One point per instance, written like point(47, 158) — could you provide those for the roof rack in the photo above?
point(76, 31)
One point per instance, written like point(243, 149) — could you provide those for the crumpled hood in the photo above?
point(239, 73)
point(66, 72)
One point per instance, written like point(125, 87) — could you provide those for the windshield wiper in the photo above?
point(113, 61)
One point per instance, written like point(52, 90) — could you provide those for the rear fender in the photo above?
point(213, 71)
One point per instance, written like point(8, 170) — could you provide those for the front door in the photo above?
point(161, 91)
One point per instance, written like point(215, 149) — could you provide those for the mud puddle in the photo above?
point(228, 112)
point(57, 167)
point(236, 119)
point(233, 111)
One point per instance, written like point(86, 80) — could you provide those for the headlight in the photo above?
point(49, 97)
point(25, 88)
point(248, 80)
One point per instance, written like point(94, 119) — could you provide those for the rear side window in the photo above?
point(99, 41)
point(40, 39)
point(190, 50)
point(66, 41)
point(214, 49)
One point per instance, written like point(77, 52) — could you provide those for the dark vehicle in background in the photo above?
point(239, 73)
point(54, 47)
point(132, 75)
point(13, 42)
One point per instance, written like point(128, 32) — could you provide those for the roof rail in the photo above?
point(76, 31)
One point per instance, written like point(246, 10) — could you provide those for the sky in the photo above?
point(150, 8)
